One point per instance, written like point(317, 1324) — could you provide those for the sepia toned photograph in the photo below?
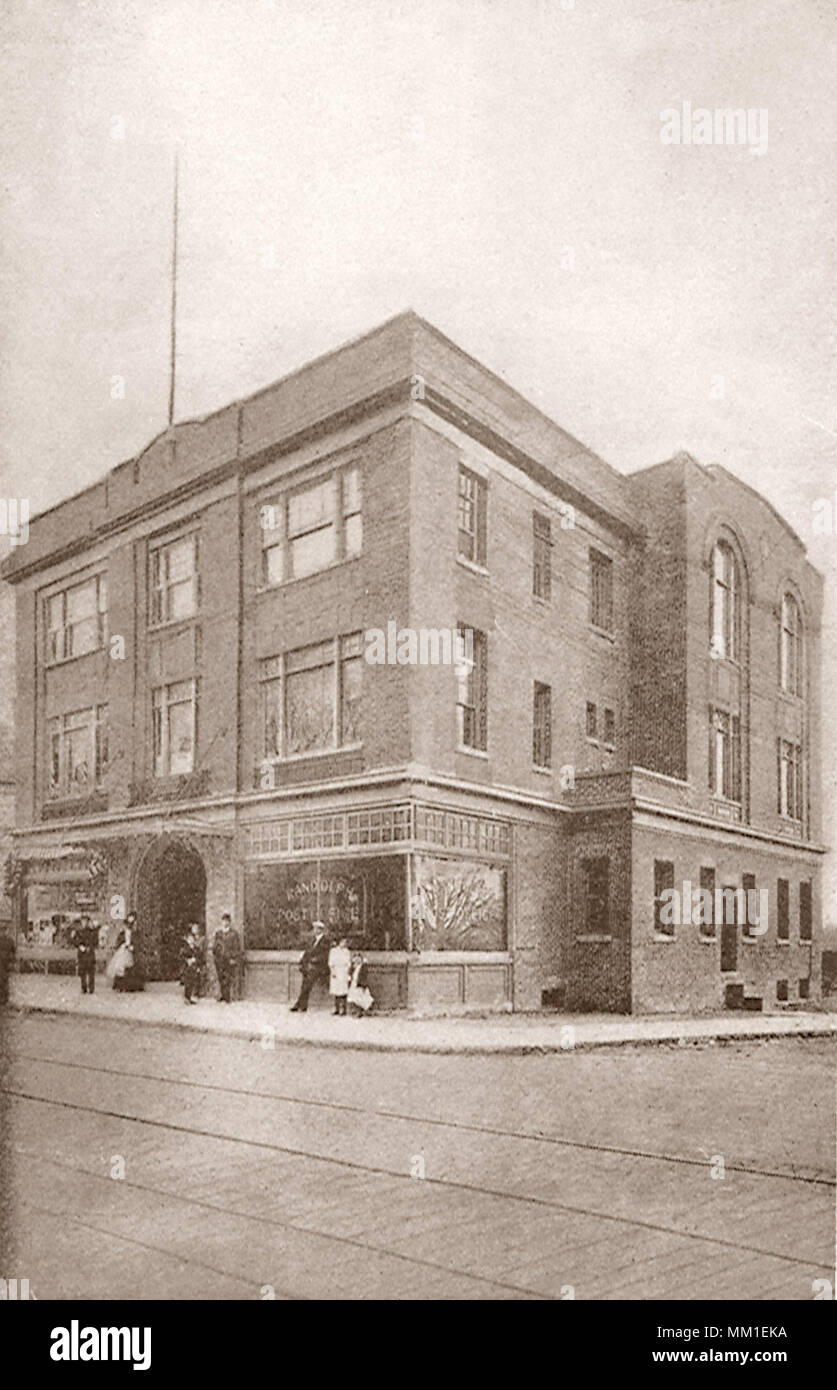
point(418, 631)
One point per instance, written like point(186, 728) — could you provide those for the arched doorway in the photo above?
point(170, 893)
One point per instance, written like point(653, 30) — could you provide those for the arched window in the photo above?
point(726, 603)
point(790, 646)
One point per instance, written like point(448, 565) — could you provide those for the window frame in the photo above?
point(346, 482)
point(596, 926)
point(790, 768)
point(725, 603)
point(471, 690)
point(60, 650)
point(59, 726)
point(601, 581)
point(161, 585)
point(542, 726)
point(663, 883)
point(274, 676)
point(725, 755)
point(472, 494)
point(162, 735)
point(791, 646)
point(541, 557)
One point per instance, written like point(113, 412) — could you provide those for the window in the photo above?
point(726, 604)
point(76, 620)
point(174, 717)
point(77, 754)
point(789, 768)
point(609, 728)
point(472, 517)
point(595, 887)
point(706, 915)
point(601, 591)
point(472, 689)
point(782, 909)
point(174, 580)
point(804, 989)
point(311, 698)
point(542, 726)
point(591, 724)
point(541, 556)
point(748, 883)
point(782, 990)
point(790, 647)
point(805, 911)
point(725, 754)
point(313, 527)
point(663, 883)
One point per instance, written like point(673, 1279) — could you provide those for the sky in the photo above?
point(496, 165)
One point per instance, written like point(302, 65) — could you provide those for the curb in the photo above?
point(500, 1048)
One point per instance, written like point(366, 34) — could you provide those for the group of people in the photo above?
point(344, 970)
point(325, 961)
point(123, 969)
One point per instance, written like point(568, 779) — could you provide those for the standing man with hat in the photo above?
point(314, 963)
point(226, 952)
point(85, 940)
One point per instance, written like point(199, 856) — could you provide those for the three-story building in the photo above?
point(384, 646)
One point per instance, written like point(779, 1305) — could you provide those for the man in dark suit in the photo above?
point(7, 955)
point(226, 952)
point(85, 940)
point(314, 963)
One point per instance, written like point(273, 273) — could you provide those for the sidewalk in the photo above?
point(267, 1022)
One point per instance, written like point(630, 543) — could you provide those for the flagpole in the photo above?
point(174, 293)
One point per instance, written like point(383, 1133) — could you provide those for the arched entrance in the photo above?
point(170, 892)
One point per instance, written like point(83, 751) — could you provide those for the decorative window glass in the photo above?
point(311, 698)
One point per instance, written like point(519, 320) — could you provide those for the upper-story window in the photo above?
point(312, 527)
point(541, 556)
point(726, 603)
point(725, 754)
point(472, 695)
point(78, 752)
point(790, 647)
point(76, 619)
point(542, 725)
point(790, 776)
point(174, 725)
point(601, 591)
point(311, 698)
point(174, 580)
point(472, 510)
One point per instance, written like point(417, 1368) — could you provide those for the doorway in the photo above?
point(170, 893)
point(729, 932)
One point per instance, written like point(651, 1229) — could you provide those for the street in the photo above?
point(143, 1162)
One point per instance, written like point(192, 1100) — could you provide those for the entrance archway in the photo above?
point(170, 893)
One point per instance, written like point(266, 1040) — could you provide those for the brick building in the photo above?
point(611, 689)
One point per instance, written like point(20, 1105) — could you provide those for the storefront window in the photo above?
point(363, 899)
point(457, 905)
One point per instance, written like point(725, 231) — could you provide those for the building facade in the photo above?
point(382, 645)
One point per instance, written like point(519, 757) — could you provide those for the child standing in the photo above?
point(339, 965)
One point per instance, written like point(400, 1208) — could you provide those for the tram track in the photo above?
point(369, 1170)
point(434, 1121)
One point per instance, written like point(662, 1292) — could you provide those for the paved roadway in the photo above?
point(665, 1172)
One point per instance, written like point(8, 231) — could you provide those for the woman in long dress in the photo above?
point(122, 968)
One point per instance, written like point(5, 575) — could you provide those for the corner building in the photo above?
point(613, 690)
